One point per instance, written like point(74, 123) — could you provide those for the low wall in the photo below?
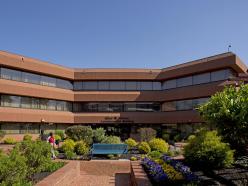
point(138, 175)
point(64, 176)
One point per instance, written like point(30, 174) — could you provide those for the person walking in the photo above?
point(51, 141)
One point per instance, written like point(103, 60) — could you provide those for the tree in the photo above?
point(146, 134)
point(78, 133)
point(228, 111)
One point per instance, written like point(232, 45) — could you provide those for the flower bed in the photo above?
point(168, 171)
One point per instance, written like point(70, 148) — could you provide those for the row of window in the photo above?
point(34, 103)
point(35, 78)
point(117, 107)
point(115, 85)
point(183, 104)
point(153, 85)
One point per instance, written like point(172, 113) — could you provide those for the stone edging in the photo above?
point(138, 175)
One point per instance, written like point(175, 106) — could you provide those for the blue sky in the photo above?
point(123, 33)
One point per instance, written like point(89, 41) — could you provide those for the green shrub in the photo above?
point(144, 148)
point(37, 154)
point(81, 148)
point(57, 137)
point(159, 144)
point(27, 137)
point(166, 136)
point(177, 138)
point(99, 134)
point(133, 158)
point(2, 134)
point(70, 155)
point(131, 143)
point(60, 133)
point(191, 137)
point(111, 140)
point(146, 134)
point(68, 145)
point(78, 133)
point(13, 169)
point(9, 140)
point(207, 151)
point(154, 154)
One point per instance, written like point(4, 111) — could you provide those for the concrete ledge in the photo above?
point(62, 177)
point(138, 175)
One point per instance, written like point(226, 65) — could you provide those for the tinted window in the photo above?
point(26, 102)
point(10, 101)
point(201, 78)
point(64, 84)
point(103, 85)
point(10, 74)
point(30, 78)
point(186, 81)
point(78, 85)
point(130, 107)
point(146, 85)
point(156, 85)
point(48, 81)
point(169, 106)
point(131, 85)
point(90, 85)
point(51, 105)
point(169, 84)
point(117, 85)
point(220, 75)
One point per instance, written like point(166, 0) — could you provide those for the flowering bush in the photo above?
point(144, 148)
point(168, 171)
point(131, 142)
point(68, 145)
point(81, 148)
point(185, 170)
point(159, 144)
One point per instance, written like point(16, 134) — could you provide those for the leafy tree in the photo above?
point(228, 111)
point(78, 133)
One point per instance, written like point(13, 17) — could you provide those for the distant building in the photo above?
point(38, 96)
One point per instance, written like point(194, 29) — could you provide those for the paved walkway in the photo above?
point(103, 173)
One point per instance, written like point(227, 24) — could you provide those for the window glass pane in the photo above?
point(48, 81)
point(10, 101)
point(103, 107)
point(186, 81)
point(68, 106)
point(51, 105)
point(169, 106)
point(220, 75)
point(201, 78)
point(169, 84)
point(117, 85)
point(30, 78)
point(78, 85)
point(116, 107)
point(10, 128)
point(143, 107)
point(26, 102)
point(103, 85)
point(61, 105)
point(77, 107)
point(64, 84)
point(184, 105)
point(156, 107)
point(90, 107)
point(131, 85)
point(197, 102)
point(90, 85)
point(43, 104)
point(35, 104)
point(156, 85)
point(130, 107)
point(146, 85)
point(10, 74)
point(138, 84)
